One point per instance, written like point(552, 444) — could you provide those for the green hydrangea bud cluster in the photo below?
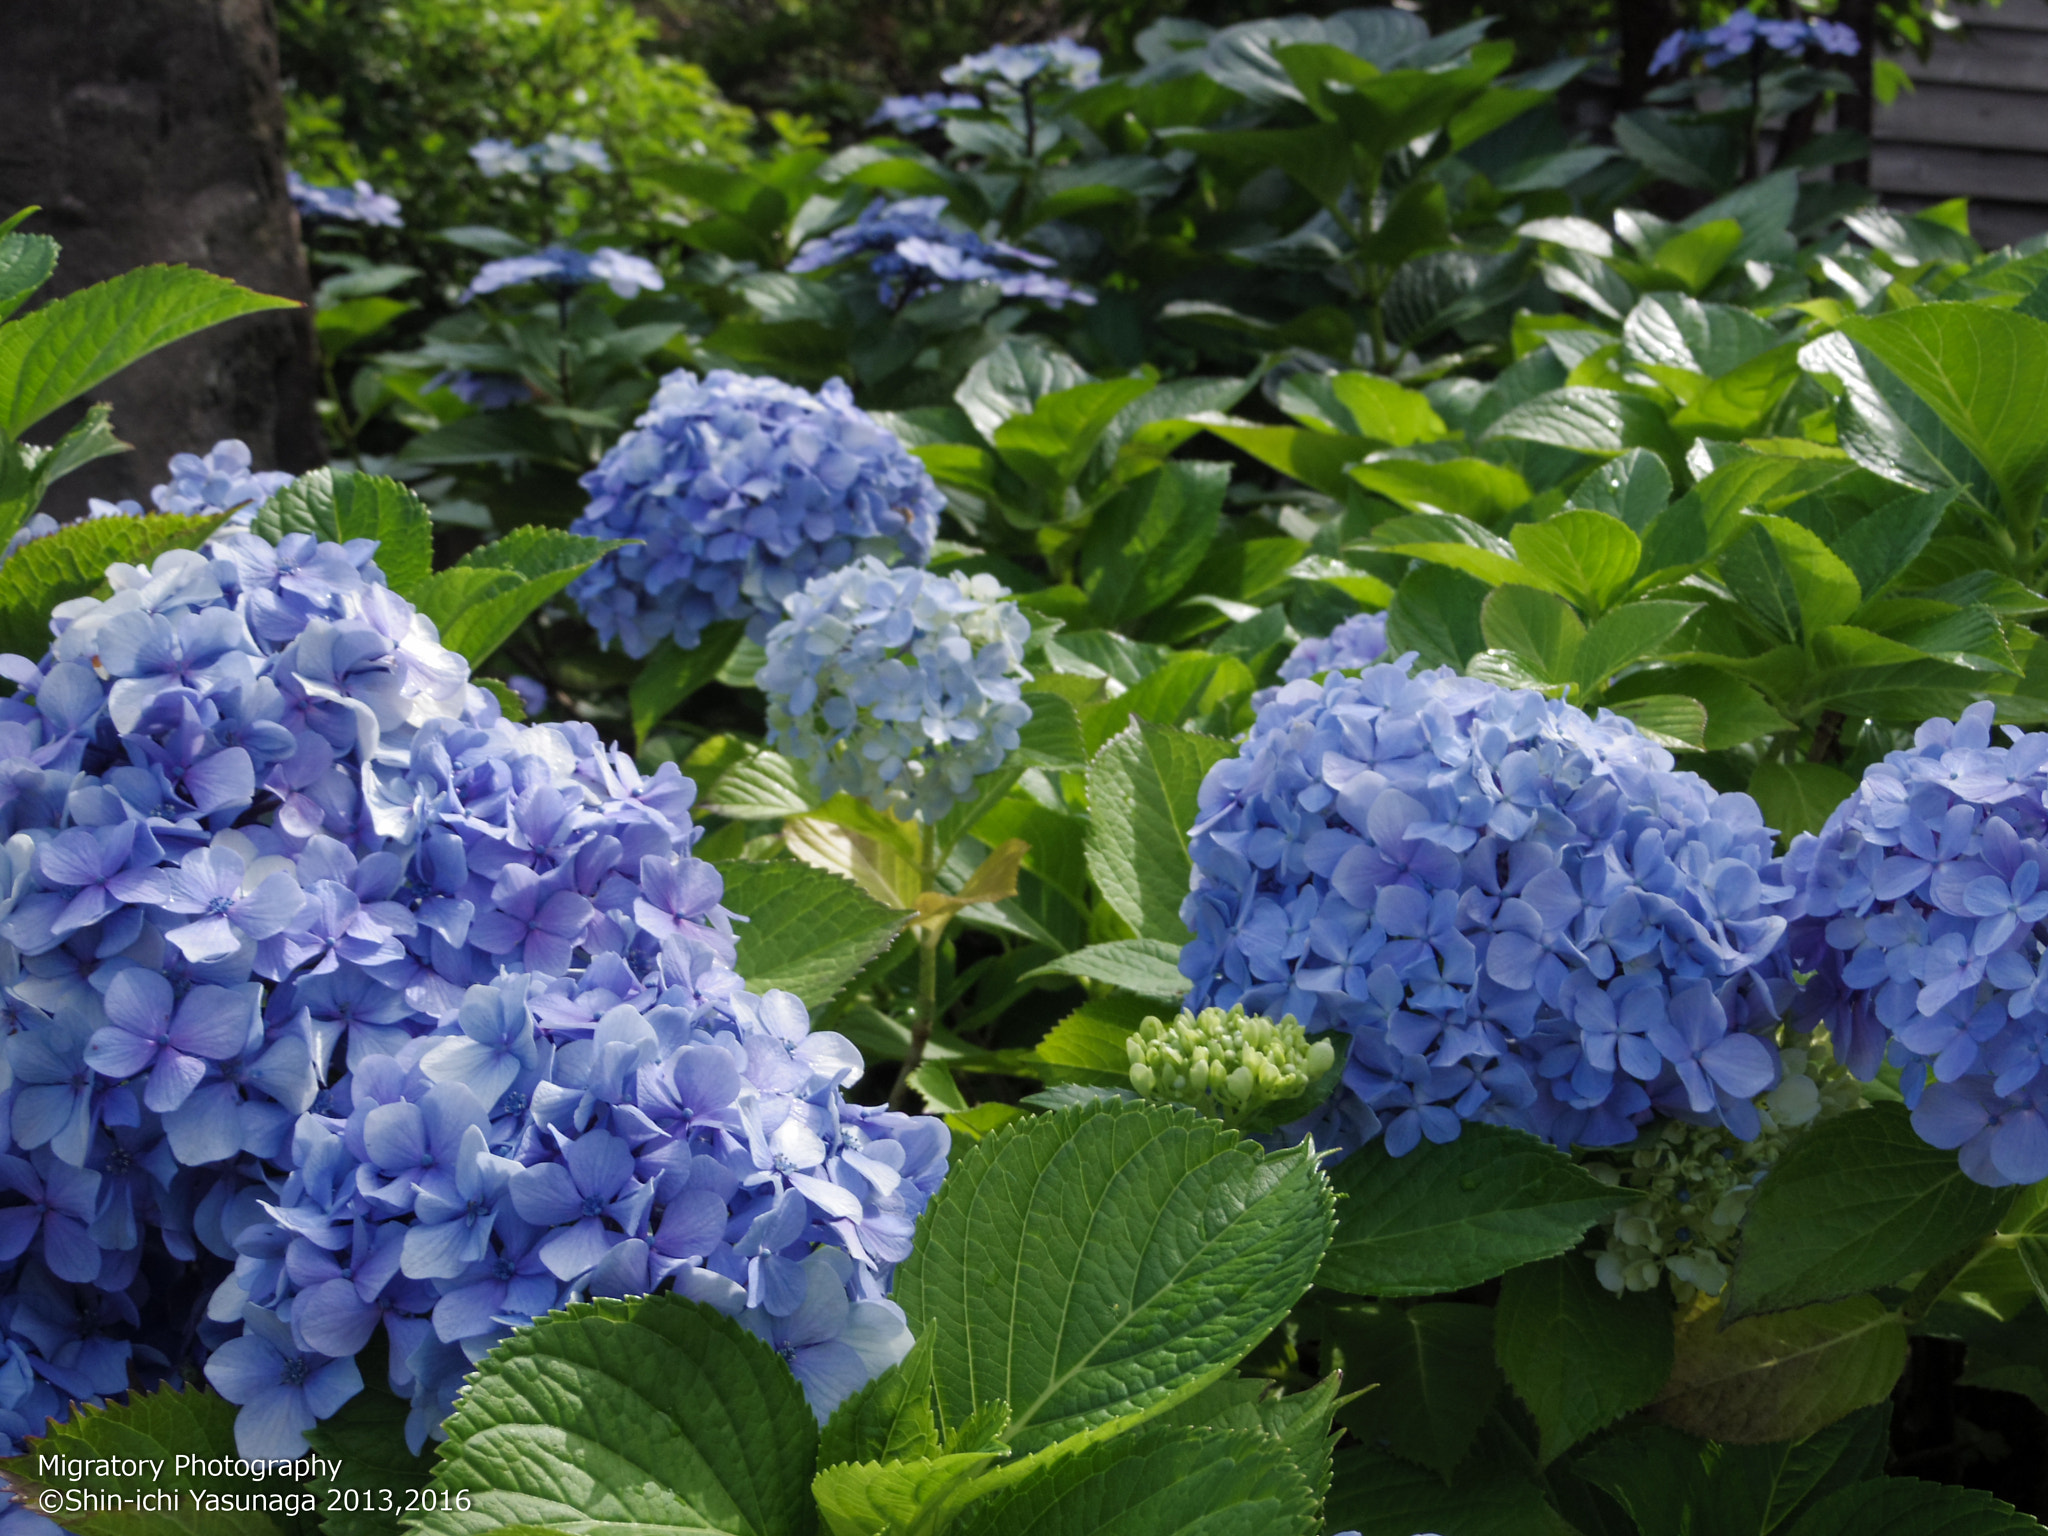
point(1697, 1181)
point(1227, 1063)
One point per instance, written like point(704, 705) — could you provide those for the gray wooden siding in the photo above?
point(1976, 125)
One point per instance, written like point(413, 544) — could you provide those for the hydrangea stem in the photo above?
point(927, 971)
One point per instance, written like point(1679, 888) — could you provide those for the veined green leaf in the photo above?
point(671, 674)
point(73, 561)
point(1142, 790)
point(1784, 1375)
point(1433, 1376)
point(1578, 1356)
point(542, 560)
point(807, 931)
point(339, 507)
point(1588, 556)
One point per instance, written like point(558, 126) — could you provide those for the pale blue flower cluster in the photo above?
point(1745, 31)
point(740, 489)
point(564, 267)
point(334, 1003)
point(1517, 913)
point(555, 154)
point(1352, 646)
point(1921, 907)
point(915, 114)
point(359, 204)
point(919, 253)
point(220, 481)
point(901, 686)
point(1015, 68)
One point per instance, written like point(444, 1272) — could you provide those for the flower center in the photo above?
point(593, 1205)
point(295, 1371)
point(220, 906)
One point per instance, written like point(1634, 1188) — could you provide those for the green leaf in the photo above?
point(1983, 372)
point(543, 561)
point(158, 1426)
point(1436, 611)
point(1316, 459)
point(889, 1419)
point(862, 1498)
point(1188, 688)
point(70, 344)
point(1448, 1216)
point(1142, 790)
point(1190, 1247)
point(1377, 1494)
point(650, 1415)
point(1301, 1421)
point(1148, 967)
point(1576, 1354)
point(1857, 1203)
point(73, 561)
point(807, 931)
point(91, 437)
point(1784, 1375)
point(1012, 379)
point(1798, 797)
point(1877, 549)
point(1601, 421)
point(348, 505)
point(1362, 405)
point(1696, 257)
point(1472, 488)
point(1049, 445)
point(1155, 1482)
point(671, 674)
point(1634, 488)
point(1890, 430)
point(1148, 539)
point(1671, 331)
point(1626, 636)
point(367, 1438)
point(1433, 1376)
point(26, 262)
point(1756, 575)
point(1905, 1506)
point(1052, 737)
point(761, 786)
point(1538, 628)
point(1088, 1046)
point(1588, 556)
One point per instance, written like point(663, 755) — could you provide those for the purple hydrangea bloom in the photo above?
point(565, 267)
point(1352, 646)
point(365, 1011)
point(917, 253)
point(1744, 31)
point(739, 490)
point(1515, 913)
point(1920, 910)
point(220, 480)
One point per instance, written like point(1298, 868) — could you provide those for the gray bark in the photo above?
point(153, 131)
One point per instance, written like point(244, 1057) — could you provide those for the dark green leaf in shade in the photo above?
point(1378, 1494)
point(1446, 1217)
point(368, 1439)
point(1798, 797)
point(1783, 1375)
point(1578, 1355)
point(671, 674)
point(1436, 612)
point(1432, 1374)
point(1906, 1506)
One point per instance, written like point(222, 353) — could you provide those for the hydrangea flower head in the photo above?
point(485, 391)
point(220, 480)
point(1352, 646)
point(359, 204)
point(739, 490)
point(1745, 31)
point(898, 686)
point(1516, 913)
point(1920, 907)
point(1011, 68)
point(362, 1010)
point(915, 114)
point(565, 267)
point(916, 253)
point(556, 154)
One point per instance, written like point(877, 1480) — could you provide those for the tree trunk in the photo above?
point(1858, 111)
point(153, 131)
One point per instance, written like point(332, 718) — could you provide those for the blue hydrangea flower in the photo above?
point(362, 1011)
point(359, 204)
point(1058, 65)
point(221, 480)
point(918, 253)
point(557, 153)
point(915, 114)
point(565, 267)
point(899, 686)
point(1352, 646)
point(1516, 913)
point(485, 391)
point(740, 489)
point(1920, 910)
point(1745, 31)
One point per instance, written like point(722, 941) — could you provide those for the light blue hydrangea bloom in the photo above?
point(563, 266)
point(1745, 31)
point(1519, 914)
point(898, 686)
point(360, 204)
point(1011, 68)
point(556, 154)
point(914, 114)
point(1921, 908)
point(1352, 646)
point(220, 480)
point(918, 253)
point(740, 489)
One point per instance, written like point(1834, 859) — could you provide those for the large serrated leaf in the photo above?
point(1105, 1261)
point(72, 343)
point(1906, 1506)
point(1377, 1494)
point(671, 674)
point(339, 507)
point(1578, 1356)
point(367, 1440)
point(1858, 1203)
point(889, 1419)
point(1148, 967)
point(644, 1416)
point(1784, 1375)
point(807, 931)
point(73, 561)
point(1142, 790)
point(1155, 1482)
point(162, 1426)
point(476, 617)
point(1433, 1376)
point(1445, 1217)
point(1148, 539)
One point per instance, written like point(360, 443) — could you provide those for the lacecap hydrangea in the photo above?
point(738, 491)
point(337, 1004)
point(1920, 909)
point(1518, 914)
point(899, 686)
